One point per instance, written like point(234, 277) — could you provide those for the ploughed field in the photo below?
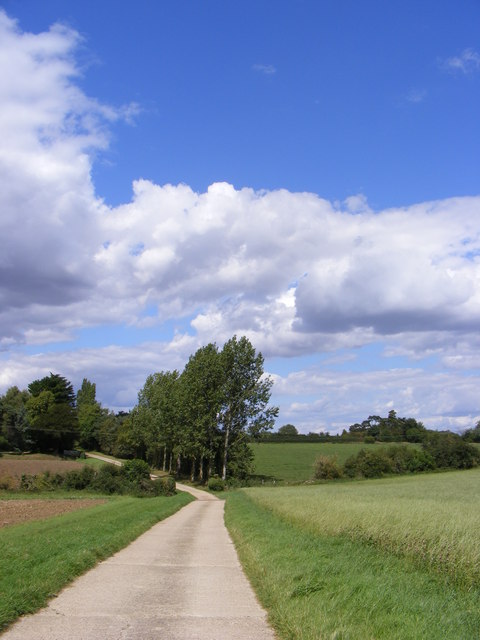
point(13, 467)
point(17, 511)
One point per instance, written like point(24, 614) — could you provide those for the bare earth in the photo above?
point(17, 511)
point(15, 467)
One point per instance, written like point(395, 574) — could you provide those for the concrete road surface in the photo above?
point(181, 580)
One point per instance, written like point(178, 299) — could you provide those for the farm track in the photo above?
point(180, 580)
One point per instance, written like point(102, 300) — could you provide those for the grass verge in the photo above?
point(318, 587)
point(39, 558)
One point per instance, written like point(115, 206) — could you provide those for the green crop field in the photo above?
point(393, 559)
point(293, 461)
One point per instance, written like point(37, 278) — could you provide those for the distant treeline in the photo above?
point(374, 429)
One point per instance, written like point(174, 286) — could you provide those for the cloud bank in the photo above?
point(294, 272)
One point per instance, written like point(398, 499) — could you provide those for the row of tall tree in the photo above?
point(199, 421)
point(202, 420)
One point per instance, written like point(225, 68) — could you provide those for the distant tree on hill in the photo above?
point(389, 429)
point(472, 435)
point(288, 430)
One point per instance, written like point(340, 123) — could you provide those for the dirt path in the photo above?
point(181, 580)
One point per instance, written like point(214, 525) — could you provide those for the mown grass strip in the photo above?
point(38, 558)
point(319, 587)
point(434, 519)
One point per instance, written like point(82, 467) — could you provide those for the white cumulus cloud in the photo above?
point(294, 272)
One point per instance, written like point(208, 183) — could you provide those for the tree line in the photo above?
point(198, 421)
point(391, 428)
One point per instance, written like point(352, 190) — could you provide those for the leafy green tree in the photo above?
point(472, 435)
point(450, 450)
point(201, 394)
point(52, 413)
point(60, 387)
point(245, 396)
point(389, 429)
point(288, 430)
point(14, 424)
point(108, 431)
point(155, 418)
point(90, 415)
point(130, 442)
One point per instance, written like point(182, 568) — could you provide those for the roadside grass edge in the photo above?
point(39, 558)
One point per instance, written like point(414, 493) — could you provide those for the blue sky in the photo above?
point(304, 173)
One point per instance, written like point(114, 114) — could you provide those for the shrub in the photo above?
point(166, 486)
point(326, 468)
point(7, 482)
point(409, 460)
point(136, 470)
point(368, 464)
point(109, 479)
point(216, 484)
point(369, 440)
point(448, 450)
point(79, 479)
point(28, 482)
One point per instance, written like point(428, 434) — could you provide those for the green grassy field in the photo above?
point(293, 461)
point(393, 559)
point(39, 558)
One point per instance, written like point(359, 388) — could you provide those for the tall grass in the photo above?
point(323, 587)
point(38, 558)
point(433, 519)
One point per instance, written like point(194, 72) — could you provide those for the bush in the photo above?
point(368, 464)
point(326, 468)
point(79, 479)
point(408, 459)
point(166, 486)
point(136, 470)
point(448, 450)
point(216, 484)
point(7, 483)
point(109, 479)
point(369, 440)
point(28, 482)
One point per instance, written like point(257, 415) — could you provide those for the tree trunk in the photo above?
point(179, 463)
point(170, 463)
point(192, 472)
point(164, 466)
point(225, 451)
point(200, 471)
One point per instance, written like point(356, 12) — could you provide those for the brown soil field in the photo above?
point(17, 511)
point(16, 466)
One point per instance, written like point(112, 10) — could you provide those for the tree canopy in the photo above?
point(201, 421)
